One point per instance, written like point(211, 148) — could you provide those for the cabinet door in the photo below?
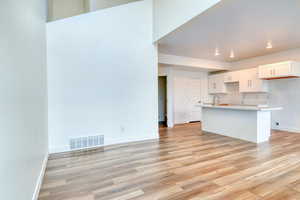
point(231, 77)
point(216, 84)
point(282, 69)
point(251, 85)
point(251, 82)
point(220, 86)
point(256, 85)
point(244, 85)
point(266, 71)
point(212, 85)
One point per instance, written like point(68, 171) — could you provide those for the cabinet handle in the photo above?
point(249, 83)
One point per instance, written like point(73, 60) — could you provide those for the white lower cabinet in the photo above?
point(250, 82)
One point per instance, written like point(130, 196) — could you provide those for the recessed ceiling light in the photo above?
point(217, 53)
point(232, 54)
point(269, 45)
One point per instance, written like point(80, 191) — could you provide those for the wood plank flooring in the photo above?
point(183, 164)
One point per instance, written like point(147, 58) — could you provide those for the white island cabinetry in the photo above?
point(249, 123)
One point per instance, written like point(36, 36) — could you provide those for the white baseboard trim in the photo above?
point(293, 130)
point(65, 149)
point(40, 179)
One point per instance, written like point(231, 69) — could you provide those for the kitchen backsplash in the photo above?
point(235, 97)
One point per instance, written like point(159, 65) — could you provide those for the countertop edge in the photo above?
point(243, 108)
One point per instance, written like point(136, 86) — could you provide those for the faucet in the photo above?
point(243, 99)
point(216, 100)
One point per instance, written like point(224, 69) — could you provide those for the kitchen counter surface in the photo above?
point(242, 107)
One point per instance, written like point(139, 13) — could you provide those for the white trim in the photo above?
point(40, 179)
point(293, 130)
point(196, 63)
point(65, 149)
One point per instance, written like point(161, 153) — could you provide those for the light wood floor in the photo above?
point(184, 164)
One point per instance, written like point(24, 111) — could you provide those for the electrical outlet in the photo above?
point(277, 123)
point(122, 129)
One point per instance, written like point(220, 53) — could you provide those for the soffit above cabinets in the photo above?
point(242, 26)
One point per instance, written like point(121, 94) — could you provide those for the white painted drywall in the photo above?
point(195, 63)
point(171, 14)
point(59, 9)
point(23, 124)
point(293, 54)
point(102, 4)
point(283, 93)
point(177, 84)
point(102, 76)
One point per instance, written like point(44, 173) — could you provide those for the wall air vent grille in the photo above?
point(86, 142)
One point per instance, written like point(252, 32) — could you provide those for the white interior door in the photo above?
point(181, 100)
point(195, 99)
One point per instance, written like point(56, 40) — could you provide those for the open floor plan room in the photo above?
point(185, 163)
point(150, 100)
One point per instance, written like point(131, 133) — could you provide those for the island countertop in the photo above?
point(242, 107)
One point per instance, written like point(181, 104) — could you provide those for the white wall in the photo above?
point(59, 9)
point(234, 96)
point(102, 76)
point(171, 14)
point(175, 85)
point(285, 93)
point(192, 62)
point(101, 4)
point(23, 135)
point(293, 54)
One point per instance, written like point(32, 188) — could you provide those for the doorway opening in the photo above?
point(162, 101)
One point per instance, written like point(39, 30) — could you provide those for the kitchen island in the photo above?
point(250, 123)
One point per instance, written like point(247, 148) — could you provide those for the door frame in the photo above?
point(170, 105)
point(166, 77)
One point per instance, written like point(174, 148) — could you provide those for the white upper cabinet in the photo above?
point(287, 69)
point(216, 84)
point(250, 82)
point(232, 77)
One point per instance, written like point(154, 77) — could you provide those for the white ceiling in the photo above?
point(244, 26)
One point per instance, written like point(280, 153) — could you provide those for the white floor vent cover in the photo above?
point(86, 142)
